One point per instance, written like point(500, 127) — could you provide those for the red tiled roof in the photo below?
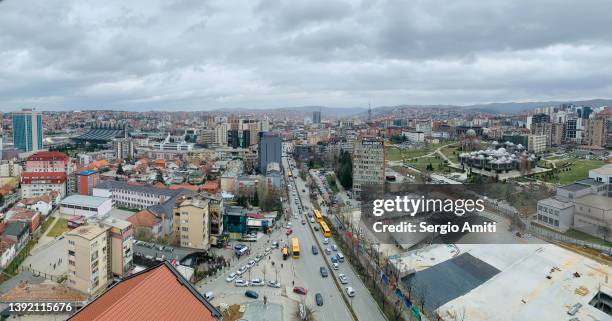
point(185, 186)
point(48, 156)
point(158, 293)
point(143, 218)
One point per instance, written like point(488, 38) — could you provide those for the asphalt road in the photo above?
point(363, 304)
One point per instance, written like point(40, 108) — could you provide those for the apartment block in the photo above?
point(536, 143)
point(121, 236)
point(192, 222)
point(368, 164)
point(89, 263)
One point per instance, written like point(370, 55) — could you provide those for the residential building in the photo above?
point(89, 267)
point(192, 223)
point(414, 136)
point(273, 175)
point(124, 148)
point(8, 249)
point(86, 180)
point(86, 206)
point(221, 135)
point(38, 184)
point(121, 236)
point(157, 293)
point(27, 130)
point(19, 232)
point(368, 164)
point(10, 169)
point(270, 150)
point(536, 143)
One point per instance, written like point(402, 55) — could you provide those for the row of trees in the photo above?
point(344, 169)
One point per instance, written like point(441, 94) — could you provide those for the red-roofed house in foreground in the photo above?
point(157, 293)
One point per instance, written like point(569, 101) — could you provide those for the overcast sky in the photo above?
point(197, 54)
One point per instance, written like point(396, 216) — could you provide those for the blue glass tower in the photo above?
point(27, 130)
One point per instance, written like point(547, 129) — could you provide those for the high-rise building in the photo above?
point(46, 172)
point(368, 164)
point(121, 242)
point(124, 148)
point(536, 143)
point(269, 150)
point(221, 134)
point(86, 180)
point(27, 130)
point(316, 117)
point(89, 266)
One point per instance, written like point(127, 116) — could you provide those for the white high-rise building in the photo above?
point(368, 164)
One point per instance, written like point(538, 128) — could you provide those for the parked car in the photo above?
point(241, 283)
point(274, 284)
point(336, 266)
point(242, 269)
point(251, 294)
point(350, 291)
point(319, 299)
point(315, 250)
point(328, 251)
point(323, 272)
point(209, 295)
point(325, 241)
point(343, 279)
point(251, 264)
point(231, 277)
point(256, 282)
point(300, 290)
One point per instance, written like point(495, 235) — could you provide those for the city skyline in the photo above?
point(201, 56)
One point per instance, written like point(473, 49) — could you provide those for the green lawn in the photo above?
point(448, 152)
point(59, 228)
point(577, 169)
point(421, 163)
point(331, 180)
point(394, 154)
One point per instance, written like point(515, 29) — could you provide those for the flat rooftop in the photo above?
point(598, 201)
point(535, 282)
point(88, 232)
point(574, 187)
point(84, 200)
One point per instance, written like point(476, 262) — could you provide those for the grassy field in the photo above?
point(59, 228)
point(421, 163)
point(448, 152)
point(576, 169)
point(394, 154)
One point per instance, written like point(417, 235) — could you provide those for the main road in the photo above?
point(362, 303)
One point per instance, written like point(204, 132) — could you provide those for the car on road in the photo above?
point(231, 277)
point(336, 266)
point(258, 257)
point(312, 220)
point(303, 222)
point(242, 269)
point(343, 279)
point(289, 231)
point(334, 247)
point(319, 299)
point(274, 245)
point(289, 225)
point(257, 282)
point(334, 259)
point(323, 272)
point(274, 284)
point(350, 291)
point(316, 227)
point(267, 250)
point(251, 294)
point(328, 251)
point(300, 290)
point(325, 241)
point(238, 246)
point(251, 264)
point(315, 251)
point(241, 283)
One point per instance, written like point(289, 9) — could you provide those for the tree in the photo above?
point(344, 170)
point(1, 199)
point(255, 201)
point(120, 170)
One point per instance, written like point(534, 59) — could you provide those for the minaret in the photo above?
point(369, 112)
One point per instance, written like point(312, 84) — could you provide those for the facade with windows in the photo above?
point(27, 130)
point(556, 214)
point(88, 258)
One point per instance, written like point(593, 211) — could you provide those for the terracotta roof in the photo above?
point(48, 156)
point(185, 186)
point(143, 218)
point(211, 185)
point(157, 293)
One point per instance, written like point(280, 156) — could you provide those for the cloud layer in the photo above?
point(195, 54)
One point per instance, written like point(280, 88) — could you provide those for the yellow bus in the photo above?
point(317, 215)
point(325, 229)
point(295, 248)
point(285, 252)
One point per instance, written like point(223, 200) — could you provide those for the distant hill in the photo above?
point(513, 108)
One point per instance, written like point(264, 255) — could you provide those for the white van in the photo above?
point(340, 257)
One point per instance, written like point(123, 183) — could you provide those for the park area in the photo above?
point(59, 228)
point(571, 170)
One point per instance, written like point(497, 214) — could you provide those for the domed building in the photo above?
point(499, 158)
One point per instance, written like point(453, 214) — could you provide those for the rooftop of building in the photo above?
point(48, 156)
point(84, 200)
point(597, 201)
point(553, 202)
point(47, 291)
point(175, 299)
point(574, 187)
point(118, 223)
point(604, 170)
point(88, 232)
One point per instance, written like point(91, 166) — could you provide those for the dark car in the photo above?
point(323, 271)
point(251, 294)
point(300, 290)
point(316, 227)
point(238, 246)
point(315, 251)
point(319, 299)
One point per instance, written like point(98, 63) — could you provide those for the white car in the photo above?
point(325, 241)
point(258, 258)
point(242, 269)
point(257, 282)
point(251, 264)
point(268, 250)
point(343, 279)
point(336, 266)
point(231, 277)
point(289, 225)
point(274, 284)
point(241, 283)
point(334, 247)
point(350, 291)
